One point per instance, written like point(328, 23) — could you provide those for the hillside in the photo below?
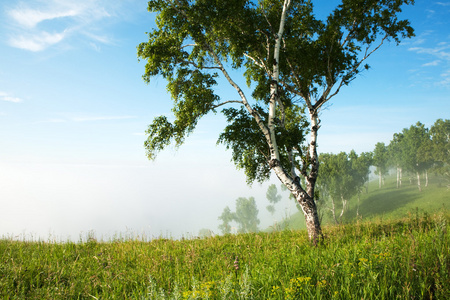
point(402, 259)
point(387, 203)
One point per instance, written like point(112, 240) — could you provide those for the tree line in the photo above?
point(416, 150)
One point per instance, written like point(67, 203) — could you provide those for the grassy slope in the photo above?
point(405, 259)
point(389, 202)
point(381, 259)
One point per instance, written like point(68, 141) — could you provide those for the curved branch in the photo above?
point(227, 102)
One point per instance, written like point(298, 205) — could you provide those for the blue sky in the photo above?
point(73, 111)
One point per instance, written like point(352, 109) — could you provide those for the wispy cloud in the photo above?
point(7, 97)
point(441, 51)
point(443, 3)
point(37, 24)
point(36, 41)
point(445, 78)
point(29, 18)
point(438, 55)
point(432, 64)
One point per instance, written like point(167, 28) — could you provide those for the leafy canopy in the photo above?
point(198, 41)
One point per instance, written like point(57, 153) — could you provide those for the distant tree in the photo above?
point(360, 170)
point(440, 141)
point(396, 156)
point(290, 59)
point(246, 216)
point(416, 143)
point(335, 181)
point(227, 217)
point(273, 197)
point(342, 177)
point(380, 161)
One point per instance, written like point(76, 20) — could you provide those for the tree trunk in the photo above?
point(426, 177)
point(357, 205)
point(401, 174)
point(379, 180)
point(418, 182)
point(312, 220)
point(333, 211)
point(344, 203)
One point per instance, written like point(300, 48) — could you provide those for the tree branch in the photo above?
point(227, 102)
point(356, 66)
point(198, 67)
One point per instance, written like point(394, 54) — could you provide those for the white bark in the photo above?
point(379, 179)
point(418, 181)
point(274, 97)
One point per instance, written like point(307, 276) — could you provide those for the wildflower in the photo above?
point(275, 289)
point(236, 263)
point(321, 283)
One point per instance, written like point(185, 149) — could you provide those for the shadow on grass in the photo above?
point(384, 201)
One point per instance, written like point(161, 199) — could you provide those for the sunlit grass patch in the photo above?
point(403, 259)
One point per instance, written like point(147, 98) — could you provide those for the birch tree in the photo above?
point(416, 144)
point(440, 138)
point(273, 197)
point(293, 62)
point(396, 156)
point(380, 161)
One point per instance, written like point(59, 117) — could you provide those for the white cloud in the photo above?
point(29, 18)
point(6, 97)
point(445, 81)
point(31, 22)
point(432, 64)
point(443, 4)
point(37, 41)
point(439, 51)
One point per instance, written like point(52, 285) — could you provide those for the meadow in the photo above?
point(381, 258)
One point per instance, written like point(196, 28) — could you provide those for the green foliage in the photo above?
point(342, 177)
point(415, 142)
point(273, 197)
point(227, 217)
point(246, 216)
point(249, 149)
point(389, 203)
point(380, 159)
point(400, 259)
point(195, 42)
point(440, 147)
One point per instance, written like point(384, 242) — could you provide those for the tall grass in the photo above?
point(403, 259)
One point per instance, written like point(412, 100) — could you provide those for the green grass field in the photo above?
point(402, 255)
point(387, 202)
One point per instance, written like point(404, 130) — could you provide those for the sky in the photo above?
point(74, 110)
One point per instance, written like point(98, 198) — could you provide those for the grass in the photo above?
point(387, 202)
point(398, 250)
point(403, 259)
